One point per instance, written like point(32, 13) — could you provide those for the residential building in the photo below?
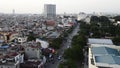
point(11, 56)
point(32, 51)
point(35, 59)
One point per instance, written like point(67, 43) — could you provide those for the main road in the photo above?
point(65, 45)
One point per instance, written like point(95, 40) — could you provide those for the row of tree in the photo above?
point(102, 27)
point(57, 42)
point(75, 54)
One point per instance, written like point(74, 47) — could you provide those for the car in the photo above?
point(68, 46)
point(59, 57)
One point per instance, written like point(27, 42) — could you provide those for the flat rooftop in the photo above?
point(108, 59)
point(105, 51)
point(100, 41)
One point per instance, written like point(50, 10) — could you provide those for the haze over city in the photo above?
point(68, 6)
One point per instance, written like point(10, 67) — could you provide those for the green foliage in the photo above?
point(56, 43)
point(104, 20)
point(116, 40)
point(68, 54)
point(76, 50)
point(117, 30)
point(79, 39)
point(117, 18)
point(67, 64)
point(94, 19)
point(84, 28)
point(30, 38)
point(98, 27)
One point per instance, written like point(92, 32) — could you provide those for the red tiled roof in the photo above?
point(50, 23)
point(12, 54)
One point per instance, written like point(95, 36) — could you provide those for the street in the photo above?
point(56, 61)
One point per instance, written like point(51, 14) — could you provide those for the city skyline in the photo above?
point(68, 6)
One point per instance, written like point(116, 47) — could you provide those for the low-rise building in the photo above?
point(33, 51)
point(11, 56)
point(104, 57)
point(100, 41)
point(22, 39)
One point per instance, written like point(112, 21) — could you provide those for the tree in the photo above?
point(68, 54)
point(117, 30)
point(116, 40)
point(31, 36)
point(56, 43)
point(94, 19)
point(67, 64)
point(39, 44)
point(117, 18)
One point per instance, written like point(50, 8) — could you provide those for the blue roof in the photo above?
point(107, 59)
point(99, 50)
point(4, 46)
point(112, 51)
point(104, 51)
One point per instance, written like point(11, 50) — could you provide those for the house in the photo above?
point(35, 59)
point(8, 36)
point(33, 51)
point(11, 56)
point(32, 64)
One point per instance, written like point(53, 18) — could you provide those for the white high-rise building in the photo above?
point(50, 10)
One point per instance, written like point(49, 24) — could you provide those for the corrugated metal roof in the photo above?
point(105, 59)
point(99, 50)
point(109, 59)
point(100, 41)
point(104, 51)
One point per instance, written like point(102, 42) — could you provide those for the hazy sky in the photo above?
point(68, 6)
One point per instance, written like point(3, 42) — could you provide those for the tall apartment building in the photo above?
point(49, 10)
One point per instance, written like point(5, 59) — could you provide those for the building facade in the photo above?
point(50, 10)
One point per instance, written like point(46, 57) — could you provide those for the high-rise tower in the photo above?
point(50, 10)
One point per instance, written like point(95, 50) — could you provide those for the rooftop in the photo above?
point(108, 59)
point(100, 41)
point(105, 51)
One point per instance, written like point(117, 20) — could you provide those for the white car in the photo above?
point(59, 57)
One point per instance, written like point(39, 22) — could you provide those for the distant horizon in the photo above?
point(62, 6)
point(64, 13)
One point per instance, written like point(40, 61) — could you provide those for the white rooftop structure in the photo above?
point(100, 45)
point(44, 44)
point(104, 57)
point(100, 41)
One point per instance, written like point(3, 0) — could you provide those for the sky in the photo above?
point(62, 6)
